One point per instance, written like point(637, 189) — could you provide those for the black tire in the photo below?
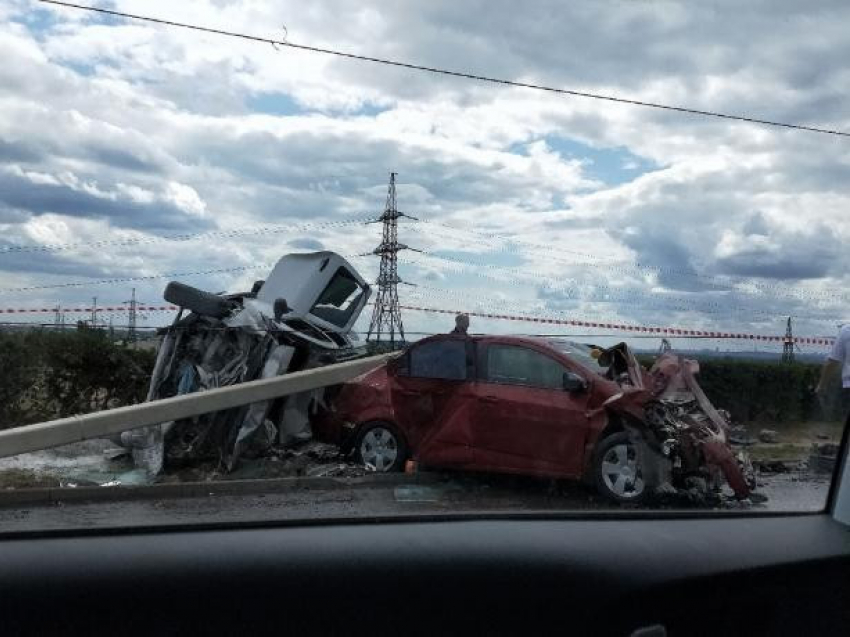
point(198, 301)
point(382, 461)
point(630, 491)
point(255, 289)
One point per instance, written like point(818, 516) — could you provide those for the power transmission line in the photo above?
point(153, 277)
point(460, 74)
point(616, 264)
point(613, 295)
point(603, 292)
point(216, 234)
point(604, 262)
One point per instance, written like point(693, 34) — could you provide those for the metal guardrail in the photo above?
point(100, 424)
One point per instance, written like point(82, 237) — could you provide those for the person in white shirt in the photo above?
point(837, 361)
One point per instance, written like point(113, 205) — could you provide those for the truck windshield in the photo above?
point(339, 299)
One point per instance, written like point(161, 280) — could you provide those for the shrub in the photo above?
point(769, 391)
point(50, 374)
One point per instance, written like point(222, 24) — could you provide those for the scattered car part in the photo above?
point(769, 436)
point(823, 456)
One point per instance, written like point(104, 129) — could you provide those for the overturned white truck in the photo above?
point(300, 317)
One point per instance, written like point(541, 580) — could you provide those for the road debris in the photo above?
point(823, 456)
point(738, 434)
point(769, 436)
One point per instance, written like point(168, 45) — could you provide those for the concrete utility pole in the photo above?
point(94, 312)
point(386, 317)
point(788, 344)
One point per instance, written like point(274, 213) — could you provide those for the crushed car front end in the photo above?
point(682, 440)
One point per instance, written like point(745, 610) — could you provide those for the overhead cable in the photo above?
point(448, 72)
point(153, 277)
point(616, 264)
point(604, 293)
point(215, 234)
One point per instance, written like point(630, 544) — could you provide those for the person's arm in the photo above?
point(832, 364)
point(829, 369)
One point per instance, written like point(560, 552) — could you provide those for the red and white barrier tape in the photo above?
point(661, 331)
point(89, 310)
point(620, 327)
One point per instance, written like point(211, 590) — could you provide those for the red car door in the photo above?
point(525, 420)
point(432, 396)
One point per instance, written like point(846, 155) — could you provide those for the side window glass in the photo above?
point(515, 365)
point(439, 359)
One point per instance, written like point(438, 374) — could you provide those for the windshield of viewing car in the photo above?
point(656, 193)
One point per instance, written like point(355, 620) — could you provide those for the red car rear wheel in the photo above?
point(381, 447)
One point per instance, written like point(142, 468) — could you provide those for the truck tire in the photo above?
point(198, 301)
point(255, 289)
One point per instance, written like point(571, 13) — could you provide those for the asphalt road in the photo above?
point(85, 486)
point(373, 498)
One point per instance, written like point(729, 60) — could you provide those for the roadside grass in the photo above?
point(26, 479)
point(794, 439)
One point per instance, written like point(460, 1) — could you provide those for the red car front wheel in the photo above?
point(618, 474)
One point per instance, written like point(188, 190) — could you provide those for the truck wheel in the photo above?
point(198, 301)
point(380, 447)
point(617, 474)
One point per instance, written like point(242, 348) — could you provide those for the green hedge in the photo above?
point(766, 391)
point(46, 374)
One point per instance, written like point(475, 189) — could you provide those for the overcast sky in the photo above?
point(113, 130)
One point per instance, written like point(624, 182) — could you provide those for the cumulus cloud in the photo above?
point(306, 244)
point(66, 194)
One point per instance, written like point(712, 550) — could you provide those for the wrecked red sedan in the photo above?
point(552, 409)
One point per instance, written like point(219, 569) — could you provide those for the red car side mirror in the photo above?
point(574, 383)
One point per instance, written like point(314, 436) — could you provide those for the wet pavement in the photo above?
point(92, 485)
point(371, 497)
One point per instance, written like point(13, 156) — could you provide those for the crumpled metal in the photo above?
point(675, 415)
